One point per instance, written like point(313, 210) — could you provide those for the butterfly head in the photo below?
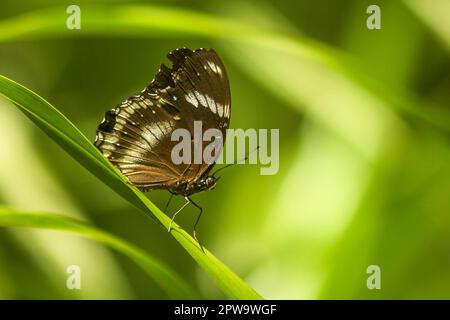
point(210, 183)
point(188, 188)
point(207, 183)
point(204, 184)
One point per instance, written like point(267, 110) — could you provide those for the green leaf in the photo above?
point(168, 279)
point(434, 14)
point(63, 132)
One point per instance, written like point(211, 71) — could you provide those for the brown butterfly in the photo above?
point(136, 135)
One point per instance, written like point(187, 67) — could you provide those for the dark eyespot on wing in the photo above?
point(108, 122)
point(178, 56)
point(163, 78)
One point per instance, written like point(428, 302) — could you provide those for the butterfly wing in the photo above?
point(136, 135)
point(201, 87)
point(202, 93)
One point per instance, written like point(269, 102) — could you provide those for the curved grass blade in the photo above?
point(162, 274)
point(63, 132)
point(434, 14)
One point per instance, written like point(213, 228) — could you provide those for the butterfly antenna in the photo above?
point(232, 164)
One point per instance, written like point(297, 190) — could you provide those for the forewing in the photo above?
point(201, 92)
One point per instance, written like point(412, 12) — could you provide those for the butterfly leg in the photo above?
point(194, 233)
point(168, 202)
point(175, 214)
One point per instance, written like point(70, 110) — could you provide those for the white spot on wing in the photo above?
point(220, 109)
point(226, 112)
point(214, 67)
point(201, 98)
point(211, 103)
point(112, 139)
point(191, 99)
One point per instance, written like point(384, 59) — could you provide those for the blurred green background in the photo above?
point(364, 125)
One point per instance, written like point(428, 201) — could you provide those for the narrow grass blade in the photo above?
point(162, 274)
point(434, 14)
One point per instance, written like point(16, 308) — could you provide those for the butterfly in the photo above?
point(136, 135)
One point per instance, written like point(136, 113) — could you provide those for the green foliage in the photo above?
point(364, 153)
point(171, 282)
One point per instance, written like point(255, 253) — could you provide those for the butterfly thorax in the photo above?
point(186, 188)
